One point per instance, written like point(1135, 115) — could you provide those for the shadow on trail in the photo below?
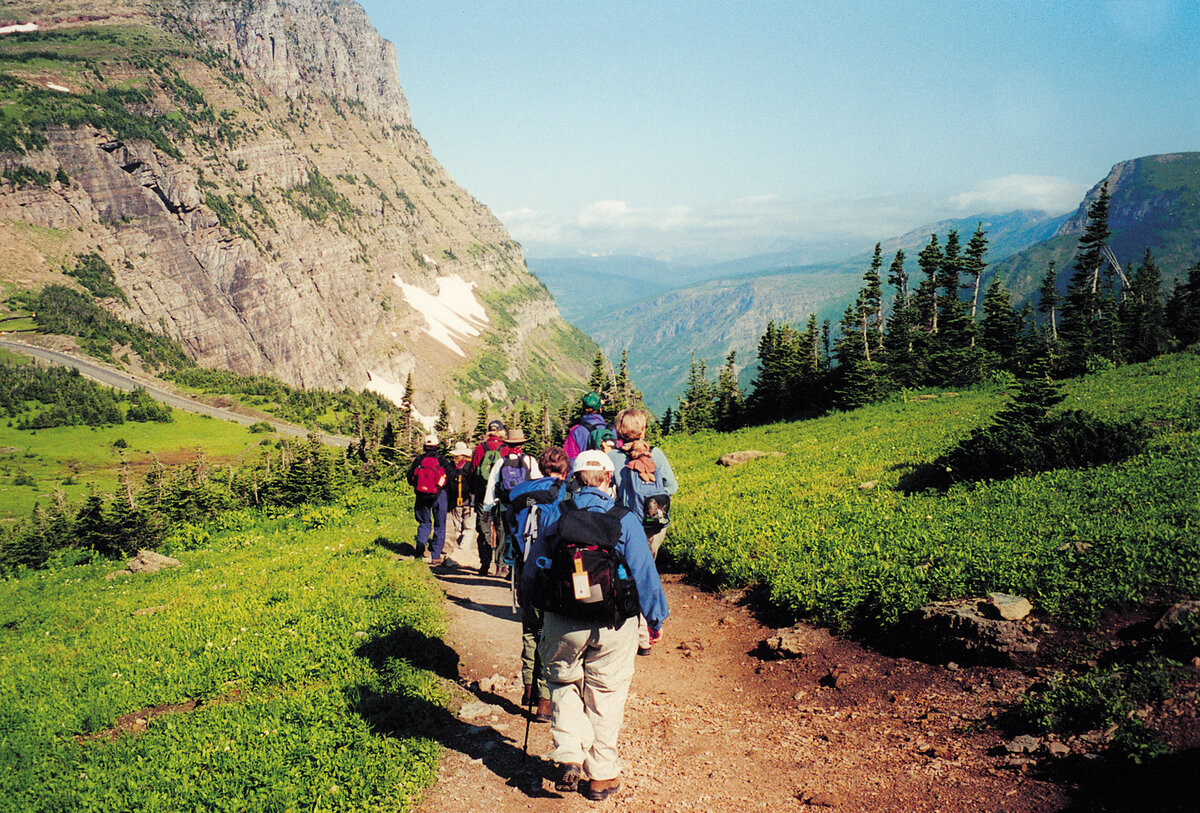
point(393, 706)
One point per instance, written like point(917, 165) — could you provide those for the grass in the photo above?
point(287, 644)
point(829, 531)
point(77, 458)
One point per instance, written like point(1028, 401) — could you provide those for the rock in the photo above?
point(787, 643)
point(738, 458)
point(148, 561)
point(1058, 750)
point(150, 610)
point(868, 486)
point(477, 709)
point(1179, 614)
point(1010, 608)
point(964, 629)
point(1024, 744)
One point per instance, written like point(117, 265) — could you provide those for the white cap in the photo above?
point(592, 460)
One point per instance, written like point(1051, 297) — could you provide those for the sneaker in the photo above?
point(544, 708)
point(600, 789)
point(644, 650)
point(570, 777)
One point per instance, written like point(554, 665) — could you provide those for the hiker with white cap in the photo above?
point(428, 476)
point(591, 571)
point(460, 501)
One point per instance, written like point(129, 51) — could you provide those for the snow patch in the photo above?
point(19, 28)
point(395, 393)
point(454, 312)
point(59, 88)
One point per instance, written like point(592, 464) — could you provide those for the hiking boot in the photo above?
point(544, 708)
point(600, 789)
point(527, 696)
point(437, 562)
point(570, 777)
point(483, 570)
point(644, 650)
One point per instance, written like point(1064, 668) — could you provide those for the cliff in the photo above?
point(250, 172)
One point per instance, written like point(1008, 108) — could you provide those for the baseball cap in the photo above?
point(591, 400)
point(592, 460)
point(496, 426)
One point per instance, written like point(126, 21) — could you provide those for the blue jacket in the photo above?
point(631, 490)
point(632, 546)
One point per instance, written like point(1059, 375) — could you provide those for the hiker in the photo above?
point(513, 468)
point(427, 476)
point(591, 419)
point(460, 500)
point(589, 644)
point(528, 500)
point(489, 530)
point(644, 484)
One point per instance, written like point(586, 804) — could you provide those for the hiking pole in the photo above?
point(533, 693)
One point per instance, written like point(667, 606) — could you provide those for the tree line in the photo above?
point(937, 330)
point(42, 398)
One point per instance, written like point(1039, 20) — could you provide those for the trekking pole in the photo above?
point(533, 698)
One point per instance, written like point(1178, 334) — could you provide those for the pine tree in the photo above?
point(900, 330)
point(1081, 332)
point(1048, 301)
point(973, 265)
point(953, 360)
point(598, 381)
point(729, 395)
point(406, 417)
point(1000, 328)
point(1183, 308)
point(441, 426)
point(930, 262)
point(1143, 316)
point(696, 404)
point(481, 422)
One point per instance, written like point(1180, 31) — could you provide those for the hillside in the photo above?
point(1154, 203)
point(251, 176)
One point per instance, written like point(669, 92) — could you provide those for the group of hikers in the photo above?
point(576, 531)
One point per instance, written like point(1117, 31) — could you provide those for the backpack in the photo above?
point(577, 437)
point(490, 458)
point(653, 502)
point(585, 576)
point(527, 509)
point(512, 474)
point(429, 475)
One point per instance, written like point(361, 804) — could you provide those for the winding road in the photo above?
point(103, 374)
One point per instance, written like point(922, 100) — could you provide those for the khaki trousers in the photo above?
point(588, 670)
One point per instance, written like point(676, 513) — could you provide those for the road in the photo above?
point(103, 374)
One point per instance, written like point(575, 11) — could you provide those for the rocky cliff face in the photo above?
point(251, 173)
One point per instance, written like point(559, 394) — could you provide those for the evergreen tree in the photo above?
point(1000, 329)
point(930, 262)
point(598, 381)
point(729, 395)
point(1143, 315)
point(668, 422)
point(953, 360)
point(900, 330)
point(1183, 309)
point(696, 404)
point(441, 426)
point(481, 422)
point(1048, 302)
point(973, 265)
point(1081, 331)
point(406, 418)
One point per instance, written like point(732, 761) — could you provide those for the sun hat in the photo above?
point(515, 436)
point(460, 450)
point(431, 440)
point(592, 460)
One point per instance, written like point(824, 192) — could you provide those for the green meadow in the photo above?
point(284, 665)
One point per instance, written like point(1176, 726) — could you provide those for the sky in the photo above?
point(705, 130)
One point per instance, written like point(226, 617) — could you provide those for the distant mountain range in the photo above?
point(663, 312)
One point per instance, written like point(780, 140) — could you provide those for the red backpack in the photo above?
point(429, 475)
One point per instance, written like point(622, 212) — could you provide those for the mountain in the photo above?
point(251, 175)
point(662, 312)
point(1154, 202)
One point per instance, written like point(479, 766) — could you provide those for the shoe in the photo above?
point(438, 562)
point(502, 571)
point(483, 570)
point(570, 777)
point(419, 552)
point(644, 650)
point(527, 696)
point(544, 708)
point(600, 789)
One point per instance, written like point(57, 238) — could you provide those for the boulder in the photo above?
point(738, 458)
point(1179, 614)
point(787, 643)
point(970, 631)
point(1010, 608)
point(148, 561)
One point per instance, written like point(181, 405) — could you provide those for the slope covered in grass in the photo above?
point(828, 528)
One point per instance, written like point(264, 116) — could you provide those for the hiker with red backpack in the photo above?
point(590, 570)
point(514, 467)
point(489, 530)
point(644, 484)
point(591, 419)
point(428, 476)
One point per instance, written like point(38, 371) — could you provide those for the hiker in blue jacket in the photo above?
point(591, 419)
point(529, 500)
point(589, 665)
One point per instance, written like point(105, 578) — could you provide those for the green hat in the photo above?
point(591, 401)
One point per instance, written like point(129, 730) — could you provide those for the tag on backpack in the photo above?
point(579, 580)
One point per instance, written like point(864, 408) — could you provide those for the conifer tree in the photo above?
point(667, 423)
point(387, 442)
point(481, 422)
point(599, 381)
point(1048, 301)
point(406, 417)
point(952, 359)
point(1183, 308)
point(696, 404)
point(1143, 315)
point(930, 262)
point(973, 265)
point(729, 395)
point(1000, 329)
point(441, 426)
point(900, 330)
point(1081, 332)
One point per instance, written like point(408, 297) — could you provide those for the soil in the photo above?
point(711, 724)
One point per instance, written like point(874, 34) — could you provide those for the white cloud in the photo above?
point(1020, 192)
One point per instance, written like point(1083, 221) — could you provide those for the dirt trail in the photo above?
point(710, 726)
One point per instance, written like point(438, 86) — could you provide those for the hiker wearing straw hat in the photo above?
point(513, 468)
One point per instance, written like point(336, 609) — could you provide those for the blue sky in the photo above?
point(718, 129)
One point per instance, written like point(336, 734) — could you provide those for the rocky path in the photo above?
point(710, 726)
